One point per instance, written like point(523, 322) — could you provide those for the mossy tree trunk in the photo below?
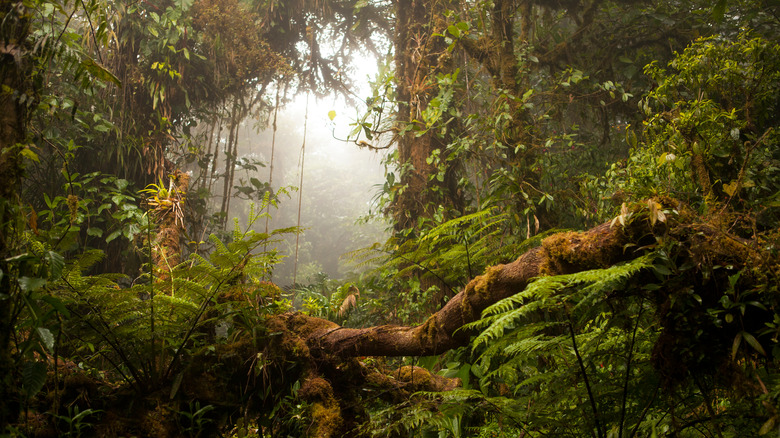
point(561, 253)
point(421, 54)
point(14, 77)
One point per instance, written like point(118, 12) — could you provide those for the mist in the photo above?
point(338, 211)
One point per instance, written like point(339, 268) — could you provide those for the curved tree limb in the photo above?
point(561, 253)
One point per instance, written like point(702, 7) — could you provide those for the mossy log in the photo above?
point(560, 253)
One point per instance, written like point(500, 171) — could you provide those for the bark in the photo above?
point(14, 74)
point(170, 216)
point(328, 352)
point(419, 56)
point(561, 253)
point(324, 358)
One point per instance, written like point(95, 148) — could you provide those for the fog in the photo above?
point(340, 186)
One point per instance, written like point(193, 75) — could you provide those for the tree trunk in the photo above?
point(561, 253)
point(14, 77)
point(419, 56)
point(330, 350)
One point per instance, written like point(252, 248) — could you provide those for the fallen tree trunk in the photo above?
point(330, 350)
point(560, 253)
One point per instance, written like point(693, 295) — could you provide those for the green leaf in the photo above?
point(719, 11)
point(30, 284)
point(767, 426)
point(30, 155)
point(33, 378)
point(56, 264)
point(753, 342)
point(661, 269)
point(176, 383)
point(113, 235)
point(48, 9)
point(735, 345)
point(57, 304)
point(99, 72)
point(46, 337)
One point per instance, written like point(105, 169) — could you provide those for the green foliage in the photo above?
point(194, 419)
point(77, 421)
point(711, 134)
point(457, 413)
point(142, 332)
point(563, 339)
point(630, 350)
point(426, 270)
point(585, 290)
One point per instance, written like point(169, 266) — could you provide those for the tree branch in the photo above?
point(561, 253)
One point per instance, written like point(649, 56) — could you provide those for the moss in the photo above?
point(158, 423)
point(480, 286)
point(37, 425)
point(216, 372)
point(572, 251)
point(316, 389)
point(304, 325)
point(420, 379)
point(325, 411)
point(378, 380)
point(416, 375)
point(327, 420)
point(428, 331)
point(287, 335)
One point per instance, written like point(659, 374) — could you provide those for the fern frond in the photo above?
point(219, 246)
point(176, 303)
point(504, 315)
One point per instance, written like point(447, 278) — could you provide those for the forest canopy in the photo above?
point(583, 199)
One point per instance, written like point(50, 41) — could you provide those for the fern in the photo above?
point(533, 342)
point(426, 269)
point(527, 353)
point(584, 288)
point(430, 412)
point(143, 332)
